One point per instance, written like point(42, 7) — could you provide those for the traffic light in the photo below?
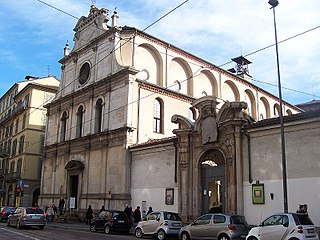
point(18, 190)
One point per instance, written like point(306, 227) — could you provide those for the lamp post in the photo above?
point(273, 4)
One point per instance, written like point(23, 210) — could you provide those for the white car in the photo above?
point(285, 226)
point(160, 224)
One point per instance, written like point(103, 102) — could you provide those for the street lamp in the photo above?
point(273, 4)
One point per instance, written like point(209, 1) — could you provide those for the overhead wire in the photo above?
point(101, 44)
point(193, 63)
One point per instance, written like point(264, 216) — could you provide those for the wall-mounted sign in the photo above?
point(72, 203)
point(258, 193)
point(169, 198)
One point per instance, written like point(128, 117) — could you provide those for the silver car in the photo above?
point(216, 226)
point(27, 216)
point(286, 226)
point(160, 224)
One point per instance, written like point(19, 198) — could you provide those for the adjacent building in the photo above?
point(112, 136)
point(22, 132)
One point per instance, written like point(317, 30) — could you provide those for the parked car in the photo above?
point(160, 224)
point(111, 221)
point(5, 212)
point(286, 226)
point(216, 226)
point(27, 216)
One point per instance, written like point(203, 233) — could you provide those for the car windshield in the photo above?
point(302, 219)
point(171, 216)
point(9, 209)
point(238, 220)
point(34, 211)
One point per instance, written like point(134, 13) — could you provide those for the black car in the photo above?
point(5, 212)
point(111, 221)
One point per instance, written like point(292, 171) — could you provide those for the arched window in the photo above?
point(21, 144)
point(98, 116)
point(158, 116)
point(63, 127)
point(289, 112)
point(276, 110)
point(204, 93)
point(177, 86)
point(79, 129)
point(192, 114)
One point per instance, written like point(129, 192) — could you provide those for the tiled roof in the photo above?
point(154, 142)
point(286, 119)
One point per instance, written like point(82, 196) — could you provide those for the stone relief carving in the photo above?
point(183, 155)
point(209, 130)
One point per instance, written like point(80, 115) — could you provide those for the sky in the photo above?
point(33, 35)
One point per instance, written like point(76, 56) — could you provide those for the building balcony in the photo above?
point(20, 107)
point(11, 177)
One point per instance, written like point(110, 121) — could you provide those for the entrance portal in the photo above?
point(74, 189)
point(213, 182)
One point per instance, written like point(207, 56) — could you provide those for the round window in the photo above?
point(84, 73)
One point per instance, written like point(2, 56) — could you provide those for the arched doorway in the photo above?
point(74, 169)
point(212, 166)
point(35, 197)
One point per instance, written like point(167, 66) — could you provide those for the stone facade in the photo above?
point(119, 88)
point(22, 133)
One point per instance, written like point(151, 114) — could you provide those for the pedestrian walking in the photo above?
point(137, 215)
point(89, 215)
point(61, 205)
point(49, 213)
point(55, 211)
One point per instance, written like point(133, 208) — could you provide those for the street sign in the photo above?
point(21, 183)
point(72, 202)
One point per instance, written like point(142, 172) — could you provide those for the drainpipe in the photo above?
point(138, 112)
point(175, 161)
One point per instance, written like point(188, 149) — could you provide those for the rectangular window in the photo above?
point(42, 144)
point(11, 129)
point(24, 121)
point(17, 125)
point(14, 148)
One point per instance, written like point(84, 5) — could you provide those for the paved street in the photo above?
point(57, 231)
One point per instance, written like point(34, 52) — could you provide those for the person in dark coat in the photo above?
point(61, 205)
point(89, 215)
point(128, 212)
point(137, 215)
point(102, 209)
point(150, 210)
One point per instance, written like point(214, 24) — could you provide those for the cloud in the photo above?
point(213, 30)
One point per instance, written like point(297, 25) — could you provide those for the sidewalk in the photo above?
point(69, 225)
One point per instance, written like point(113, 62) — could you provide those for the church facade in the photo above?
point(130, 108)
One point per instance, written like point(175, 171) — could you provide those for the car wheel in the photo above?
point(252, 238)
point(185, 236)
point(161, 235)
point(138, 233)
point(223, 237)
point(41, 227)
point(107, 229)
point(93, 228)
